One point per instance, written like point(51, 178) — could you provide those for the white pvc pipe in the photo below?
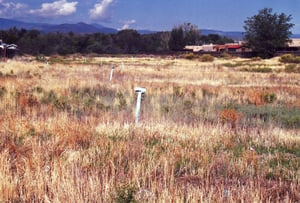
point(111, 74)
point(139, 91)
point(138, 107)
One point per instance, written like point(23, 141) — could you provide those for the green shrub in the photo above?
point(270, 97)
point(257, 58)
point(233, 65)
point(125, 194)
point(258, 70)
point(226, 55)
point(289, 58)
point(49, 97)
point(191, 56)
point(292, 68)
point(121, 100)
point(207, 58)
point(282, 116)
point(40, 58)
point(3, 91)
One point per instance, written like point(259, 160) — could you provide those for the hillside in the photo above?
point(79, 28)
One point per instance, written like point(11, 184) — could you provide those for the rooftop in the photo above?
point(295, 43)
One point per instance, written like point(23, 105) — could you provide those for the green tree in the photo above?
point(176, 42)
point(186, 34)
point(128, 40)
point(191, 34)
point(267, 31)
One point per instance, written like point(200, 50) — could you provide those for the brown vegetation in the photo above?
point(67, 133)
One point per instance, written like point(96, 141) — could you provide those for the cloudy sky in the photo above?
point(227, 15)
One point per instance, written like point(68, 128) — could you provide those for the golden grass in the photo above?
point(67, 133)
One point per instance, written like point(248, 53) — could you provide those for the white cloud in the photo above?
point(100, 10)
point(10, 9)
point(127, 24)
point(56, 8)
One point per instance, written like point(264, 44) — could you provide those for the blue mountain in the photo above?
point(83, 28)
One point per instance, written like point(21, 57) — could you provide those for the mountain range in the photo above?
point(84, 28)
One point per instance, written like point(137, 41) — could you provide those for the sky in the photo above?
point(156, 15)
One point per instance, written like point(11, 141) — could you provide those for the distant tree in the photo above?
point(12, 36)
point(176, 42)
point(128, 40)
point(191, 34)
point(215, 39)
point(186, 34)
point(155, 42)
point(266, 32)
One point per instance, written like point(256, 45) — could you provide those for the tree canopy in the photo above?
point(34, 42)
point(266, 32)
point(186, 34)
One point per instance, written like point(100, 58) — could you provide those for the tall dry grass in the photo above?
point(207, 132)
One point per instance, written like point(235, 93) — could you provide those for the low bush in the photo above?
point(261, 97)
point(292, 68)
point(191, 56)
point(3, 91)
point(230, 116)
point(124, 194)
point(207, 58)
point(281, 116)
point(257, 58)
point(258, 70)
point(289, 58)
point(226, 55)
point(233, 65)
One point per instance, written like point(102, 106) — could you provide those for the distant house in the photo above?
point(216, 48)
point(7, 50)
point(294, 45)
point(232, 48)
point(198, 48)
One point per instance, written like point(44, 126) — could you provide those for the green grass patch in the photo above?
point(281, 116)
point(258, 70)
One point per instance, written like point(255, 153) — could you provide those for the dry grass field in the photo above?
point(220, 131)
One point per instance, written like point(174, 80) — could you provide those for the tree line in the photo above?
point(129, 41)
point(265, 33)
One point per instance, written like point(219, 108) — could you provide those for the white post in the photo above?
point(111, 73)
point(139, 91)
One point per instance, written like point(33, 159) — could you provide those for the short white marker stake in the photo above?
point(139, 91)
point(111, 73)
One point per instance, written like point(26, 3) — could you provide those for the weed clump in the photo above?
point(230, 116)
point(261, 97)
point(125, 194)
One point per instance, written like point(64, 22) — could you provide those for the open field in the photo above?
point(221, 131)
